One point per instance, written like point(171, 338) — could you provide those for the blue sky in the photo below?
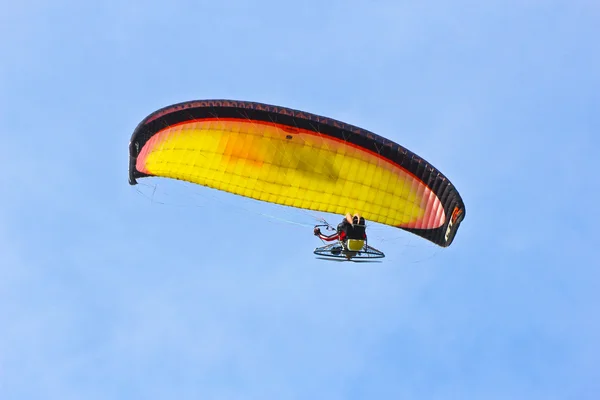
point(107, 294)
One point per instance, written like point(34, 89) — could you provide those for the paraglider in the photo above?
point(298, 159)
point(350, 240)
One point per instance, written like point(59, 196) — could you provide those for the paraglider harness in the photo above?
point(351, 241)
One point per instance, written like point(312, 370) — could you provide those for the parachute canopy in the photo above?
point(297, 159)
